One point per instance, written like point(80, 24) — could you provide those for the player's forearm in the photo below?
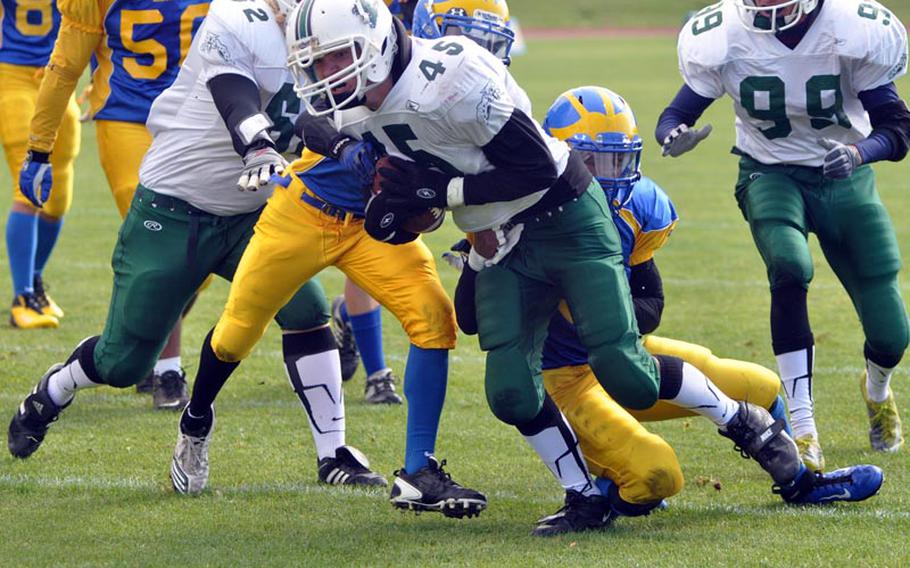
point(647, 295)
point(890, 118)
point(685, 108)
point(72, 52)
point(238, 102)
point(522, 160)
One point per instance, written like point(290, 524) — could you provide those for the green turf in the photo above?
point(97, 492)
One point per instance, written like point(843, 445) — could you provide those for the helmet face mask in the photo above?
point(486, 22)
point(773, 16)
point(358, 34)
point(599, 126)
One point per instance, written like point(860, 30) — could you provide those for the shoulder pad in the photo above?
point(705, 39)
point(651, 206)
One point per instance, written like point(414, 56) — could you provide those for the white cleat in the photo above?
point(190, 465)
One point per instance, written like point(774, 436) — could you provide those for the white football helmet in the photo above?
point(773, 17)
point(317, 28)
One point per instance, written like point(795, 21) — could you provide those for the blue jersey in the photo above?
point(28, 31)
point(145, 43)
point(331, 181)
point(644, 225)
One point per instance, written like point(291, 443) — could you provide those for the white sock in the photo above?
point(796, 368)
point(698, 394)
point(62, 385)
point(558, 448)
point(317, 381)
point(877, 381)
point(170, 364)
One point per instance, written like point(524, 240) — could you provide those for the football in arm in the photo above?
point(425, 221)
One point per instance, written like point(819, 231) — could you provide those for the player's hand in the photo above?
point(841, 159)
point(457, 255)
point(383, 220)
point(419, 187)
point(36, 178)
point(320, 135)
point(359, 157)
point(259, 165)
point(682, 139)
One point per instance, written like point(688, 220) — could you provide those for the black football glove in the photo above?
point(383, 220)
point(419, 187)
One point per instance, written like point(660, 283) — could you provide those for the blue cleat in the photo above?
point(856, 483)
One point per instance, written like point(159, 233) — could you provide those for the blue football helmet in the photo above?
point(484, 21)
point(599, 124)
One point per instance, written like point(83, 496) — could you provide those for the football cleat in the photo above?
point(810, 452)
point(27, 313)
point(147, 384)
point(579, 513)
point(856, 483)
point(169, 391)
point(757, 435)
point(190, 464)
point(432, 489)
point(380, 388)
point(33, 417)
point(349, 467)
point(884, 421)
point(48, 306)
point(344, 337)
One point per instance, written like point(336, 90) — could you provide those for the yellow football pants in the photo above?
point(18, 92)
point(616, 445)
point(121, 146)
point(293, 241)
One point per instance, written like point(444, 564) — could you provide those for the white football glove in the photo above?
point(258, 167)
point(681, 139)
point(506, 239)
point(840, 159)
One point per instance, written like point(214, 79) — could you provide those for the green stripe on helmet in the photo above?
point(303, 22)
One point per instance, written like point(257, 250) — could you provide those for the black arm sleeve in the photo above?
point(893, 120)
point(647, 295)
point(465, 311)
point(236, 98)
point(522, 164)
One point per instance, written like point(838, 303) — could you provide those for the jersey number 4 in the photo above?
point(765, 98)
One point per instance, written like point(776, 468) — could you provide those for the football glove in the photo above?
point(681, 139)
point(383, 221)
point(259, 165)
point(457, 255)
point(319, 135)
point(840, 159)
point(492, 245)
point(415, 185)
point(36, 178)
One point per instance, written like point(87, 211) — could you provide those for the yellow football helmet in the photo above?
point(599, 124)
point(484, 21)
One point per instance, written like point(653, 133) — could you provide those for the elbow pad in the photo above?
point(893, 120)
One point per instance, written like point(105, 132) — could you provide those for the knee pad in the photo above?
point(786, 271)
point(630, 378)
point(511, 391)
point(307, 309)
point(232, 342)
point(131, 365)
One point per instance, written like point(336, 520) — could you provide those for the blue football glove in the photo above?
point(319, 135)
point(841, 159)
point(359, 157)
point(35, 178)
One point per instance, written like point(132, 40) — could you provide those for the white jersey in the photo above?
point(192, 156)
point(785, 100)
point(450, 101)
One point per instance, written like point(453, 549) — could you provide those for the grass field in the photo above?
point(97, 493)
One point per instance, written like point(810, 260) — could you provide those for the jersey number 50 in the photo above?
point(129, 19)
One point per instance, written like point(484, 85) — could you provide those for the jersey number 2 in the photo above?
point(765, 98)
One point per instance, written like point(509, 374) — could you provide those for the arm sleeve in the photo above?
point(647, 295)
point(237, 99)
point(685, 108)
point(522, 164)
point(465, 312)
point(80, 33)
point(890, 118)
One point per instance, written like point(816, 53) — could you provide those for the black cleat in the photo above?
point(431, 489)
point(32, 419)
point(380, 388)
point(757, 435)
point(349, 467)
point(344, 337)
point(147, 384)
point(580, 513)
point(169, 391)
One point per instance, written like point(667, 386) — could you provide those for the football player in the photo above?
point(137, 47)
point(812, 82)
point(229, 113)
point(28, 33)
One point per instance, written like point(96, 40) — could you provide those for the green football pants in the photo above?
point(783, 204)
point(165, 250)
point(574, 253)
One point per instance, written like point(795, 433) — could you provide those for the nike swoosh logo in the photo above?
point(844, 495)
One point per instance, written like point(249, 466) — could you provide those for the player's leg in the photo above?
point(18, 90)
point(859, 243)
point(145, 262)
point(50, 220)
point(643, 466)
point(772, 203)
point(404, 280)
